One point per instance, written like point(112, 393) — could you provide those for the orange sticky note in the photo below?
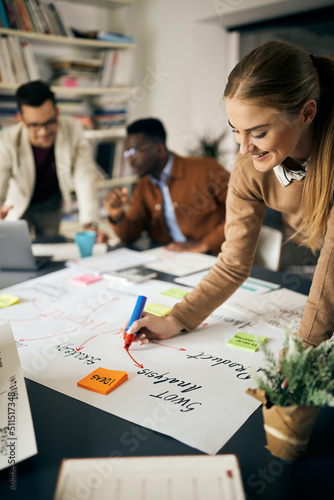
point(102, 380)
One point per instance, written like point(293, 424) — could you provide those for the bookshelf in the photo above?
point(67, 40)
point(75, 45)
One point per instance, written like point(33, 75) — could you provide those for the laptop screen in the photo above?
point(15, 246)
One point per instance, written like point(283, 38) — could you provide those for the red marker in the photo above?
point(137, 312)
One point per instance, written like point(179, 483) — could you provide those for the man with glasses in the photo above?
point(179, 201)
point(43, 159)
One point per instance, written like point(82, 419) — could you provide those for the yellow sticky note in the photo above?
point(176, 293)
point(157, 309)
point(8, 300)
point(246, 341)
point(102, 380)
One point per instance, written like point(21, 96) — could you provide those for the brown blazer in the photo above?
point(198, 188)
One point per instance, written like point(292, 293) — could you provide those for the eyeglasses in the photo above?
point(47, 125)
point(137, 149)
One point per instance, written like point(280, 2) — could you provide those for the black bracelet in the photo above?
point(112, 221)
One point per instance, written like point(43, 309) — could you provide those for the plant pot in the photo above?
point(287, 428)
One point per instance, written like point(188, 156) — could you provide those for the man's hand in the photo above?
point(4, 211)
point(188, 246)
point(101, 237)
point(114, 202)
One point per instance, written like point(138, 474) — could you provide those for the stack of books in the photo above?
point(103, 35)
point(17, 61)
point(40, 16)
point(76, 107)
point(110, 110)
point(8, 108)
point(74, 72)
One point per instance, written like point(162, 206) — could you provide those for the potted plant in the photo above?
point(293, 394)
point(208, 146)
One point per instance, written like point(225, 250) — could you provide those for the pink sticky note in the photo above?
point(84, 279)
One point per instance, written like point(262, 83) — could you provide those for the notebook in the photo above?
point(15, 248)
point(195, 477)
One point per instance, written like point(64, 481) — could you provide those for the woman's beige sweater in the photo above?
point(249, 192)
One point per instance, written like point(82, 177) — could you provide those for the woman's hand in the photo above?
point(155, 327)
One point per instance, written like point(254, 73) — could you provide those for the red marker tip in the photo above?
point(128, 339)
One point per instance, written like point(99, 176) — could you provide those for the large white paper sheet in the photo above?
point(17, 436)
point(64, 332)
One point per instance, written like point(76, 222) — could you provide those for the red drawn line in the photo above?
point(116, 331)
point(49, 337)
point(34, 301)
point(81, 346)
point(170, 346)
point(135, 362)
point(18, 320)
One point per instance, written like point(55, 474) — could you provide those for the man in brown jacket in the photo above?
point(179, 201)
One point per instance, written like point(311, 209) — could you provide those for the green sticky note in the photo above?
point(157, 309)
point(176, 293)
point(246, 341)
point(8, 300)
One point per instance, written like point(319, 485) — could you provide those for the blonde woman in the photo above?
point(280, 105)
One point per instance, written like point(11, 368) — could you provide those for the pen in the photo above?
point(136, 314)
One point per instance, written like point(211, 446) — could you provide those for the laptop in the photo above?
point(15, 248)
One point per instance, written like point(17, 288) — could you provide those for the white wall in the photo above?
point(181, 69)
point(183, 57)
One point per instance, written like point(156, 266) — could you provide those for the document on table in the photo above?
point(148, 478)
point(64, 251)
point(17, 436)
point(116, 260)
point(179, 263)
point(281, 308)
point(252, 286)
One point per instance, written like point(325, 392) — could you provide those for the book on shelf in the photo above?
point(107, 66)
point(17, 61)
point(105, 121)
point(117, 69)
point(40, 16)
point(11, 14)
point(7, 73)
point(8, 108)
point(71, 72)
point(59, 20)
point(76, 107)
point(3, 15)
point(123, 71)
point(107, 36)
point(20, 71)
point(23, 15)
point(7, 116)
point(30, 61)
